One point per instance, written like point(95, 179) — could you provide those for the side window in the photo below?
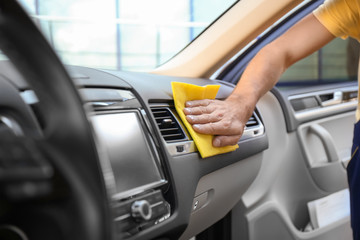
point(335, 62)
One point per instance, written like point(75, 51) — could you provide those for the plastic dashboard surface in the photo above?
point(152, 91)
point(132, 97)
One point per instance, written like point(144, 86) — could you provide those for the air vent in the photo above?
point(254, 128)
point(168, 125)
point(252, 122)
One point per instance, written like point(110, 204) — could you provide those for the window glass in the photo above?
point(335, 62)
point(122, 34)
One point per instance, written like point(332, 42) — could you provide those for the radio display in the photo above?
point(131, 157)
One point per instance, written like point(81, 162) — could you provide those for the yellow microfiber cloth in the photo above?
point(183, 92)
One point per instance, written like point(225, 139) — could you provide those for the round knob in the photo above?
point(141, 210)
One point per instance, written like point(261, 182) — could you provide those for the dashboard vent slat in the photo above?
point(252, 122)
point(168, 125)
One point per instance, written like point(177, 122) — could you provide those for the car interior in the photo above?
point(90, 153)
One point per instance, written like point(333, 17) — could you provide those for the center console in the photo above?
point(132, 168)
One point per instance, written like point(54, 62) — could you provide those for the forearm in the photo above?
point(260, 76)
point(267, 66)
point(227, 119)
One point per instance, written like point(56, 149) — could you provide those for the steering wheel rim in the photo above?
point(67, 135)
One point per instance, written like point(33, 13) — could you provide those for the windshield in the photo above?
point(135, 35)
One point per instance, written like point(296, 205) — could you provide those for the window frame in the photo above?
point(233, 69)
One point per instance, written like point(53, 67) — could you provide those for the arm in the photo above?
point(227, 119)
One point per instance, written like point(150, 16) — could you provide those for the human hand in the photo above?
point(224, 119)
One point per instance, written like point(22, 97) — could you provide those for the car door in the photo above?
point(309, 118)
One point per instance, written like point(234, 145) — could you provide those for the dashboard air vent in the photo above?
point(252, 122)
point(168, 125)
point(254, 127)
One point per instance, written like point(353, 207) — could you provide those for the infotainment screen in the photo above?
point(132, 159)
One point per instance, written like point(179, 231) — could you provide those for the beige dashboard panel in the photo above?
point(233, 31)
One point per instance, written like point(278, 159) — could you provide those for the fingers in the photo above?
point(222, 141)
point(197, 103)
point(223, 119)
point(219, 128)
point(198, 107)
point(204, 118)
point(198, 110)
point(203, 111)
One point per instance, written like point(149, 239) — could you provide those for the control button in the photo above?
point(124, 225)
point(158, 210)
point(200, 201)
point(141, 210)
point(196, 204)
point(180, 148)
point(122, 209)
point(156, 197)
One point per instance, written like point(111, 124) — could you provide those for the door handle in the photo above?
point(326, 140)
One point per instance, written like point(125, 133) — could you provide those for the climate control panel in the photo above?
point(140, 212)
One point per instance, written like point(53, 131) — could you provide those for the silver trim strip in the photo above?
point(337, 99)
point(181, 148)
point(122, 217)
point(29, 97)
point(138, 190)
point(332, 106)
point(318, 93)
point(156, 204)
point(326, 111)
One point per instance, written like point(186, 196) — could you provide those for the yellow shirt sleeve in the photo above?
point(183, 92)
point(340, 17)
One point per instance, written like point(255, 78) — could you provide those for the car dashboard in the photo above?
point(158, 183)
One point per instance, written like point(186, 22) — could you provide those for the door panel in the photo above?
point(298, 167)
point(327, 148)
point(309, 122)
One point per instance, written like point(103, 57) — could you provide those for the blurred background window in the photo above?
point(335, 62)
point(135, 35)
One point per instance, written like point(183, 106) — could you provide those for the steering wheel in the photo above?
point(51, 183)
